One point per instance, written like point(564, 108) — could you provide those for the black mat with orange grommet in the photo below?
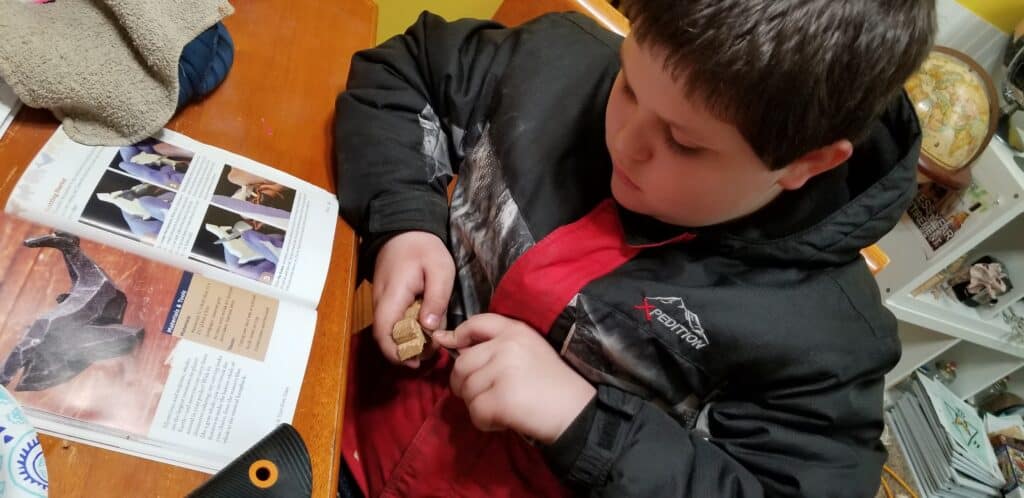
point(277, 466)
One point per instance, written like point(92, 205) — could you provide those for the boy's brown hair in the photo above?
point(791, 75)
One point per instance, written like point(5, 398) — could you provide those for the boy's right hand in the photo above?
point(410, 265)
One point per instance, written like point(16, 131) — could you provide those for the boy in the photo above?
point(655, 263)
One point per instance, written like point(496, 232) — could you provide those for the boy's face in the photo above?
point(672, 159)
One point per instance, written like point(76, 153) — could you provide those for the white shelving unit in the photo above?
point(1016, 384)
point(930, 321)
point(920, 347)
point(978, 367)
point(940, 328)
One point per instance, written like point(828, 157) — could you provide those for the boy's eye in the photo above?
point(678, 147)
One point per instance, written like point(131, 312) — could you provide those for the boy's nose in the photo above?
point(631, 142)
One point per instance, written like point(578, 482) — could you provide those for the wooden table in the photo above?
point(276, 107)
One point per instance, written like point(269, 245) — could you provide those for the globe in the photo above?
point(955, 102)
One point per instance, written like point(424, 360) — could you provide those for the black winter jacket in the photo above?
point(765, 376)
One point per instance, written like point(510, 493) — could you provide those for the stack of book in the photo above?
point(944, 441)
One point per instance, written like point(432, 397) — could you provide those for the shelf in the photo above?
point(1015, 386)
point(949, 317)
point(978, 367)
point(1007, 247)
point(920, 347)
point(913, 264)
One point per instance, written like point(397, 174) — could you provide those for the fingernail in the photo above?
point(432, 321)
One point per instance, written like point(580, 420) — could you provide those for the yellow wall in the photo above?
point(1004, 14)
point(393, 16)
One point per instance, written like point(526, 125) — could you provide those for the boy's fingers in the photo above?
point(483, 411)
point(477, 329)
point(388, 310)
point(444, 338)
point(468, 364)
point(437, 282)
point(477, 383)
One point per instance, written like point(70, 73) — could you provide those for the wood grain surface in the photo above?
point(276, 107)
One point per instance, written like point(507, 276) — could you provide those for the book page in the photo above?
point(104, 346)
point(224, 403)
point(223, 317)
point(9, 105)
point(190, 205)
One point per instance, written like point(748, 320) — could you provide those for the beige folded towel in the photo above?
point(107, 68)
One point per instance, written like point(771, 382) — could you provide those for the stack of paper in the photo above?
point(9, 105)
point(945, 442)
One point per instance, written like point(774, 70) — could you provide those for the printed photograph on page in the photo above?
point(81, 327)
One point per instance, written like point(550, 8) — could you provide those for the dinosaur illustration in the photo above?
point(83, 328)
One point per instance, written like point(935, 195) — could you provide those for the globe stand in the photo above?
point(938, 169)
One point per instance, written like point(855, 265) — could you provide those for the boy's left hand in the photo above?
point(511, 378)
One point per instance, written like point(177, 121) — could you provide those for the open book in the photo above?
point(160, 299)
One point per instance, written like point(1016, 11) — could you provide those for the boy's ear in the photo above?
point(814, 163)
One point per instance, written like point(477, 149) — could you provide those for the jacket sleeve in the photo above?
point(819, 439)
point(409, 105)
